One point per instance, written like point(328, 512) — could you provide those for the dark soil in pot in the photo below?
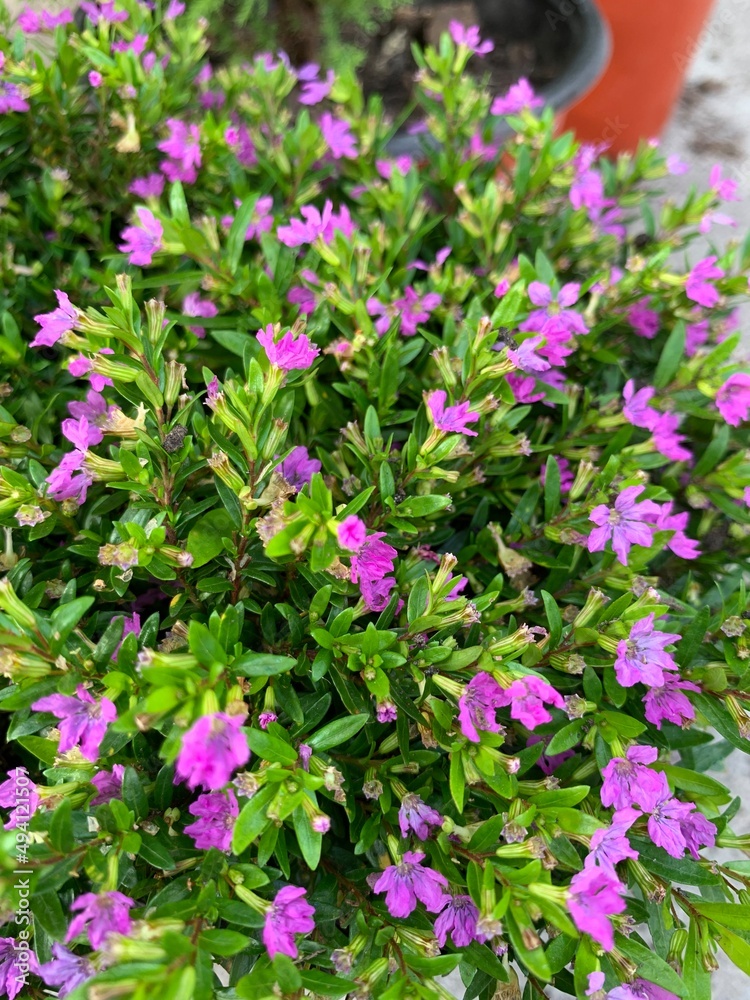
point(530, 39)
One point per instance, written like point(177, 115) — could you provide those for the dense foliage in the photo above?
point(375, 531)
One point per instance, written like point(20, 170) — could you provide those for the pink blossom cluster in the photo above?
point(630, 523)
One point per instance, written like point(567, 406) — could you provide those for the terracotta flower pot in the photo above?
point(653, 42)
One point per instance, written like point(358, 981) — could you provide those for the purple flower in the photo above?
point(338, 137)
point(408, 882)
point(183, 147)
point(451, 419)
point(595, 896)
point(80, 433)
point(104, 10)
point(636, 409)
point(194, 305)
point(725, 187)
point(524, 389)
point(352, 533)
point(18, 793)
point(733, 399)
point(667, 441)
point(679, 543)
point(624, 524)
point(547, 763)
point(521, 95)
point(478, 705)
point(298, 468)
point(610, 846)
point(217, 813)
point(641, 659)
point(175, 8)
point(677, 826)
point(211, 750)
point(150, 186)
point(95, 78)
point(527, 697)
point(526, 358)
point(675, 166)
point(316, 224)
point(17, 960)
point(314, 90)
point(83, 720)
point(143, 241)
point(288, 353)
point(640, 989)
point(696, 335)
point(56, 323)
point(371, 568)
point(266, 718)
point(699, 288)
point(66, 970)
point(628, 782)
point(667, 702)
point(68, 481)
point(131, 625)
point(645, 321)
point(108, 785)
point(385, 711)
point(11, 99)
point(417, 816)
point(101, 914)
point(468, 35)
point(289, 914)
point(459, 919)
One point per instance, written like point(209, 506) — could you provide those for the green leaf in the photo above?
point(551, 488)
point(223, 942)
point(457, 780)
point(262, 664)
point(729, 914)
point(65, 618)
point(671, 356)
point(326, 985)
point(178, 204)
point(204, 646)
point(48, 912)
point(697, 980)
point(204, 541)
point(337, 732)
point(693, 638)
point(554, 619)
point(650, 965)
point(533, 959)
point(252, 819)
point(421, 506)
point(677, 870)
point(61, 828)
point(566, 737)
point(237, 233)
point(133, 794)
point(44, 750)
point(310, 842)
point(270, 747)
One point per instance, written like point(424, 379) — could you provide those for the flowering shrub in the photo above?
point(372, 597)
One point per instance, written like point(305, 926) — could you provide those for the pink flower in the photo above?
point(459, 919)
point(640, 989)
point(183, 148)
point(17, 960)
point(150, 186)
point(450, 419)
point(29, 21)
point(610, 846)
point(289, 353)
point(69, 481)
point(408, 882)
point(385, 711)
point(725, 187)
point(416, 816)
point(372, 567)
point(18, 793)
point(211, 750)
point(288, 915)
point(733, 398)
point(194, 305)
point(216, 814)
point(298, 468)
point(56, 323)
point(521, 95)
point(65, 970)
point(11, 99)
point(636, 409)
point(314, 90)
point(699, 288)
point(108, 785)
point(316, 225)
point(628, 782)
point(679, 543)
point(667, 441)
point(668, 703)
point(644, 320)
point(527, 697)
point(338, 137)
point(403, 165)
point(101, 915)
point(678, 826)
point(595, 896)
point(676, 166)
point(80, 433)
point(477, 706)
point(642, 659)
point(524, 389)
point(95, 78)
point(83, 720)
point(175, 8)
point(104, 10)
point(624, 524)
point(696, 335)
point(468, 36)
point(143, 241)
point(352, 533)
point(526, 358)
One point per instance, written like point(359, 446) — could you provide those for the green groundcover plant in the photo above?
point(372, 599)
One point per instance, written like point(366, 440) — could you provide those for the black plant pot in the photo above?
point(586, 39)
